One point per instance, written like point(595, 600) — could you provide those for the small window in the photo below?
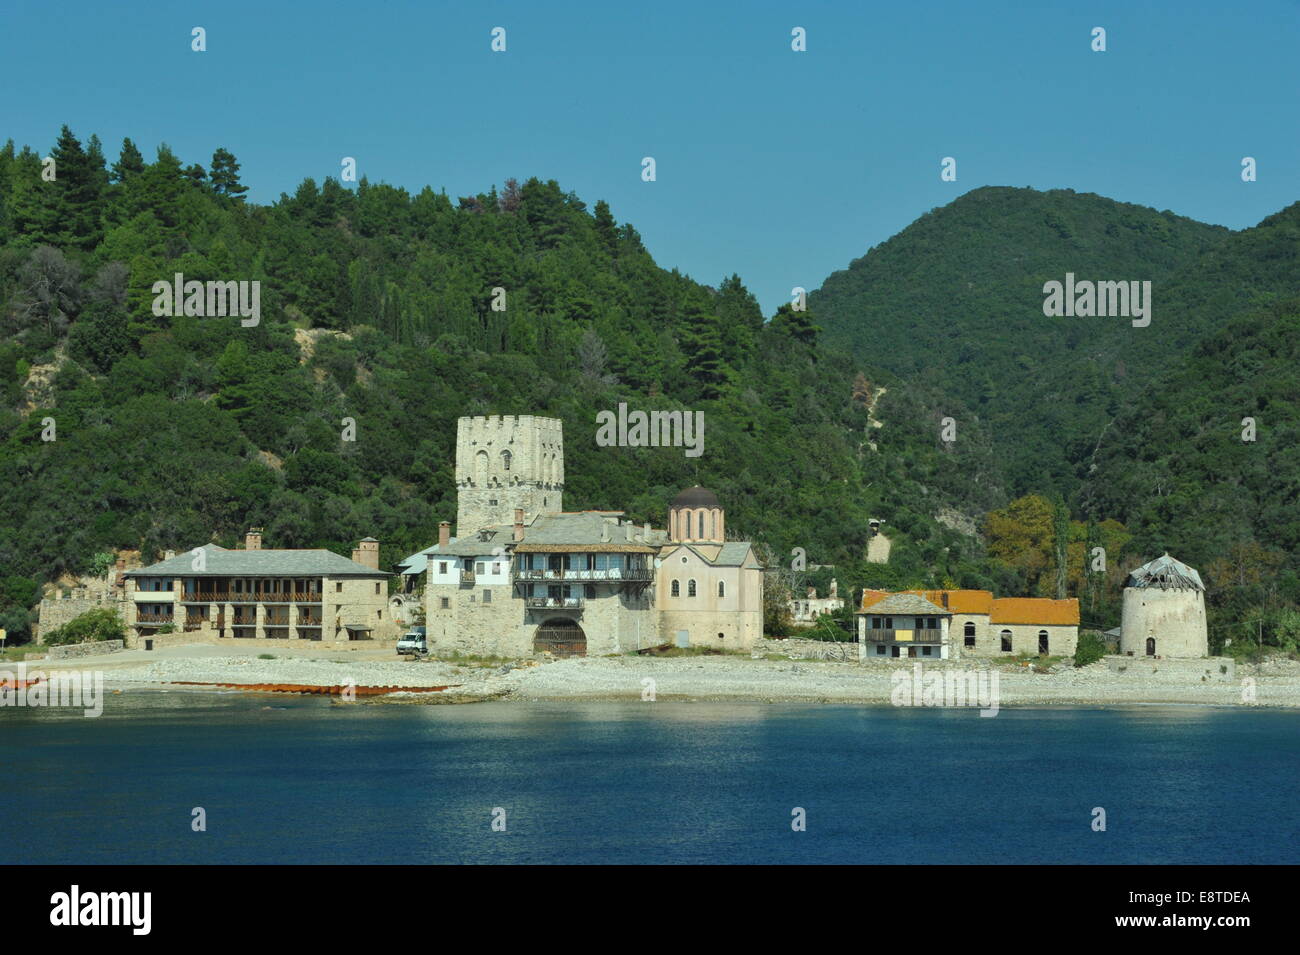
point(492, 502)
point(442, 566)
point(338, 586)
point(478, 568)
point(722, 636)
point(876, 623)
point(690, 588)
point(376, 589)
point(487, 596)
point(496, 568)
point(381, 615)
point(446, 603)
point(676, 589)
point(590, 591)
point(1006, 641)
point(880, 649)
point(969, 632)
point(932, 623)
point(722, 588)
point(893, 651)
point(889, 623)
point(1042, 641)
point(925, 651)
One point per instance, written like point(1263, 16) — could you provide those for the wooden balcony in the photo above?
point(251, 596)
point(151, 618)
point(918, 637)
point(616, 575)
point(554, 603)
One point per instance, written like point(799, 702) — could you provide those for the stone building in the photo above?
point(1164, 611)
point(950, 624)
point(213, 594)
point(573, 583)
point(504, 463)
point(807, 609)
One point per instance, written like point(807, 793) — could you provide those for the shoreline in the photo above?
point(1274, 684)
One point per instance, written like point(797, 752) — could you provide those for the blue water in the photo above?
point(302, 780)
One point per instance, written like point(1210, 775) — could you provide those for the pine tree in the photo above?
point(129, 163)
point(701, 342)
point(225, 175)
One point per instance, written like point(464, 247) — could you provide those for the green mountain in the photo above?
point(955, 300)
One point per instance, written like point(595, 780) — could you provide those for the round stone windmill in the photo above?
point(1164, 611)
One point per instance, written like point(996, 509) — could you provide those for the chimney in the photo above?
point(945, 600)
point(168, 555)
point(519, 523)
point(253, 539)
point(604, 532)
point(627, 530)
point(646, 532)
point(444, 533)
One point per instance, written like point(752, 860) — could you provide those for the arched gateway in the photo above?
point(561, 637)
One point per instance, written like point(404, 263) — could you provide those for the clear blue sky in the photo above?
point(780, 166)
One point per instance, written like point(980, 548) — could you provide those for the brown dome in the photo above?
point(695, 497)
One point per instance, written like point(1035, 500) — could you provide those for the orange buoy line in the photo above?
point(320, 690)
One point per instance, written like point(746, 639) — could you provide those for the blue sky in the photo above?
point(778, 165)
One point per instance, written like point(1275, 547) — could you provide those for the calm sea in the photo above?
point(302, 780)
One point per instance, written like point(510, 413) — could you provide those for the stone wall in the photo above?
point(54, 612)
point(75, 650)
point(1175, 669)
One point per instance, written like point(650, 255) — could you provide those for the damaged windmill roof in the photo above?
point(1166, 573)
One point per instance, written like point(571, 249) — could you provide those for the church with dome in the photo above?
point(521, 575)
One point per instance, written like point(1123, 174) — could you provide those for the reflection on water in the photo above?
point(285, 779)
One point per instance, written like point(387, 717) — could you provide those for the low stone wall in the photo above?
point(209, 638)
point(802, 649)
point(1176, 670)
point(74, 650)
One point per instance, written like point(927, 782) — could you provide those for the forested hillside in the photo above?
point(1139, 427)
point(956, 299)
point(376, 306)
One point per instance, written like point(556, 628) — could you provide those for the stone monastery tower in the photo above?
point(1164, 611)
point(504, 462)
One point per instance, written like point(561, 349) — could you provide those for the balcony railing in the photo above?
point(467, 578)
point(553, 603)
point(154, 618)
point(251, 596)
point(613, 573)
point(891, 636)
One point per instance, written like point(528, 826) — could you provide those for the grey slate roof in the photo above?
point(730, 554)
point(259, 563)
point(585, 529)
point(907, 604)
point(1167, 574)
